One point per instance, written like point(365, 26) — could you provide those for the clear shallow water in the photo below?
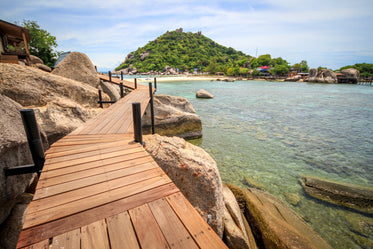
point(274, 132)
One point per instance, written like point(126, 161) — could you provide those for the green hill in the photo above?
point(185, 51)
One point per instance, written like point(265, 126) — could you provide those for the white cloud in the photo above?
point(295, 30)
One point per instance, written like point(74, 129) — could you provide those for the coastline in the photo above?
point(200, 78)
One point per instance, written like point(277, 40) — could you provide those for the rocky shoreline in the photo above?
point(244, 218)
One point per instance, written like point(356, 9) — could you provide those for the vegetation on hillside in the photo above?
point(365, 69)
point(185, 51)
point(194, 51)
point(42, 44)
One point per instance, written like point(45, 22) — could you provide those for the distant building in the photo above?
point(13, 43)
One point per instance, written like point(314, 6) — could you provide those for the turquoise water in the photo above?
point(274, 132)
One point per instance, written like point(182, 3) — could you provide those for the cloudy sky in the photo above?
point(331, 33)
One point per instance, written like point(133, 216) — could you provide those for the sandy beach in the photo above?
point(182, 78)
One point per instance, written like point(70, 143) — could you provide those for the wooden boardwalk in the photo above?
point(99, 189)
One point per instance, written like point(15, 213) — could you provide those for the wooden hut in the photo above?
point(13, 43)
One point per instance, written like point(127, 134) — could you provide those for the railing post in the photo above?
point(137, 128)
point(155, 83)
point(121, 75)
point(151, 106)
point(109, 76)
point(135, 83)
point(33, 138)
point(100, 98)
point(121, 90)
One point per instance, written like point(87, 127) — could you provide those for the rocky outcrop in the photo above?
point(194, 172)
point(112, 90)
point(170, 70)
point(322, 76)
point(61, 104)
point(275, 225)
point(14, 151)
point(204, 94)
point(235, 234)
point(144, 55)
point(77, 66)
point(174, 116)
point(351, 196)
point(352, 74)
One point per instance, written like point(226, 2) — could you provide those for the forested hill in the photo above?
point(185, 51)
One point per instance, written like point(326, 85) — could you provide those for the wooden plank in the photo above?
point(103, 117)
point(174, 231)
point(91, 189)
point(40, 245)
point(79, 219)
point(87, 181)
point(94, 147)
point(95, 236)
point(43, 216)
point(92, 165)
point(202, 233)
point(69, 240)
point(121, 233)
point(99, 157)
point(68, 156)
point(65, 178)
point(147, 229)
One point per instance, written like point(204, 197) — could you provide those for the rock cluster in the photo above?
point(322, 76)
point(130, 70)
point(174, 116)
point(194, 172)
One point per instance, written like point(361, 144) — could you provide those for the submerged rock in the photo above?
point(194, 172)
point(174, 116)
point(351, 196)
point(204, 94)
point(273, 223)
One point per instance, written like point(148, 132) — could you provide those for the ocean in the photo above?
point(275, 132)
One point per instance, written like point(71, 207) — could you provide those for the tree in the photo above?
point(42, 44)
point(279, 69)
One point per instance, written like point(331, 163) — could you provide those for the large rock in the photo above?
point(144, 55)
point(274, 224)
point(204, 94)
point(194, 172)
point(351, 196)
point(174, 116)
point(170, 70)
point(14, 151)
point(63, 104)
point(78, 66)
point(61, 116)
point(322, 76)
point(235, 234)
point(32, 87)
point(112, 90)
point(352, 74)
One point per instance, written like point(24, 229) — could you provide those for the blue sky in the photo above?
point(331, 33)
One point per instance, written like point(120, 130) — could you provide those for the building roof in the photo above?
point(14, 31)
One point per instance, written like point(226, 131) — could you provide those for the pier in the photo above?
point(101, 189)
